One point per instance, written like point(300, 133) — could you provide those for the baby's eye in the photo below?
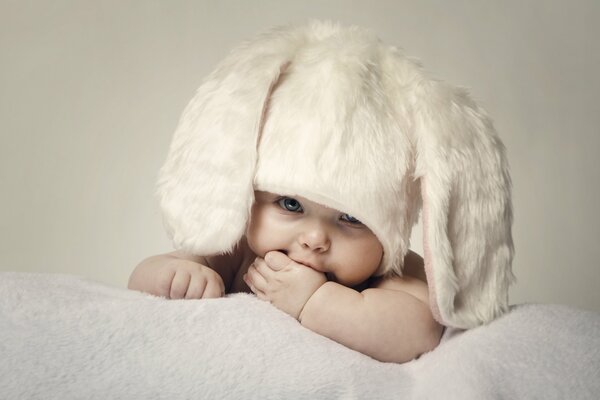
point(350, 219)
point(289, 204)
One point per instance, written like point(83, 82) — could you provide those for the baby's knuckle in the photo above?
point(163, 282)
point(212, 291)
point(202, 280)
point(212, 274)
point(193, 293)
point(216, 279)
point(176, 293)
point(179, 287)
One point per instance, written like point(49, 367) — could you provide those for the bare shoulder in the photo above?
point(407, 284)
point(413, 281)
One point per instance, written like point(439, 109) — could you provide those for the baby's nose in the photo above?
point(316, 238)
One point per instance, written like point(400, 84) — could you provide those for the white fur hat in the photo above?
point(332, 114)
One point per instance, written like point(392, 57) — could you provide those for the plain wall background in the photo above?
point(91, 91)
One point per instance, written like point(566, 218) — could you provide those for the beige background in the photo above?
point(90, 93)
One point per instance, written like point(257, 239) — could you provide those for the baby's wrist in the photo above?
point(314, 298)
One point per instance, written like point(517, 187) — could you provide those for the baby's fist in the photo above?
point(183, 279)
point(285, 283)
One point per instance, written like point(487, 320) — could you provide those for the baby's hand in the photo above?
point(181, 279)
point(285, 283)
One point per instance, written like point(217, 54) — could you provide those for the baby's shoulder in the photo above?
point(408, 284)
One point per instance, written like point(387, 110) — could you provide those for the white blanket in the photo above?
point(64, 337)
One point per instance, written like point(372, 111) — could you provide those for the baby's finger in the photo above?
point(213, 290)
point(258, 280)
point(180, 283)
point(256, 291)
point(263, 269)
point(276, 260)
point(196, 287)
point(258, 260)
point(164, 280)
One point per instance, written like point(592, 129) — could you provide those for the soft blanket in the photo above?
point(65, 337)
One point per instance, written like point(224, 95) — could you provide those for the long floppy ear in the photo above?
point(467, 211)
point(205, 185)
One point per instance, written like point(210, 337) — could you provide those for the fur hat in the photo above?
point(332, 114)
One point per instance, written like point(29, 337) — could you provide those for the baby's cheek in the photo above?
point(253, 244)
point(258, 244)
point(262, 241)
point(357, 266)
point(370, 254)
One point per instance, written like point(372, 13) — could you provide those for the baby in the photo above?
point(316, 264)
point(297, 172)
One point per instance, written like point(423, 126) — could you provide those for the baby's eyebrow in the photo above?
point(268, 195)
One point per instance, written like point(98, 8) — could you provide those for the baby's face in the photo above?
point(325, 239)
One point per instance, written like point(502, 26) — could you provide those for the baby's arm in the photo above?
point(389, 322)
point(178, 275)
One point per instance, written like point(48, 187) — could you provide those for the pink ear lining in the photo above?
point(433, 304)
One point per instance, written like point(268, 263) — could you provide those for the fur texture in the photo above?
point(334, 115)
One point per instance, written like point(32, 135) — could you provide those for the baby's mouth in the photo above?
point(307, 264)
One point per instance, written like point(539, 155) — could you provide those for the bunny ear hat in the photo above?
point(332, 114)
